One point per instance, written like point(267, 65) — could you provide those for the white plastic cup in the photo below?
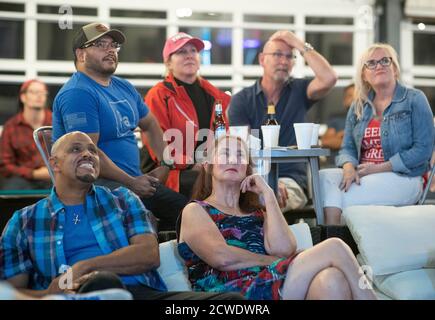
point(304, 133)
point(254, 143)
point(240, 131)
point(315, 135)
point(270, 136)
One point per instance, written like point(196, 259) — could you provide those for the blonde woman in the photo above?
point(387, 141)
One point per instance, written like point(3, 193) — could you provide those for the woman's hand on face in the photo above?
point(350, 175)
point(255, 183)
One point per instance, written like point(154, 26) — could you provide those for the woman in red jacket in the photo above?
point(184, 101)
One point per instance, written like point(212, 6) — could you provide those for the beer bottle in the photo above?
point(219, 122)
point(271, 120)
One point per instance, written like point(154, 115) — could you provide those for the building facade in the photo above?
point(36, 38)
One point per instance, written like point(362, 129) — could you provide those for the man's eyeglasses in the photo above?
point(279, 55)
point(103, 45)
point(384, 62)
point(37, 92)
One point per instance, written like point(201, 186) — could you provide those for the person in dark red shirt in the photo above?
point(21, 165)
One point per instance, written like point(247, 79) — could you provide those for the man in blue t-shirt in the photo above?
point(292, 99)
point(109, 109)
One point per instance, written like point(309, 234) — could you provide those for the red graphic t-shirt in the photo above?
point(371, 148)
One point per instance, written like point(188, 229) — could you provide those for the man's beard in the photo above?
point(97, 68)
point(281, 76)
point(88, 178)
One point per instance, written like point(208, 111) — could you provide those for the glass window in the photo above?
point(59, 73)
point(336, 47)
point(268, 19)
point(424, 47)
point(226, 90)
point(8, 101)
point(329, 20)
point(55, 43)
point(81, 11)
point(143, 90)
point(53, 89)
point(7, 6)
point(137, 14)
point(329, 108)
point(12, 73)
point(144, 44)
point(253, 42)
point(217, 44)
point(141, 76)
point(12, 39)
point(430, 95)
point(141, 44)
point(425, 20)
point(187, 14)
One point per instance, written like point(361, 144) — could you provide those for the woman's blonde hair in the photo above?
point(362, 87)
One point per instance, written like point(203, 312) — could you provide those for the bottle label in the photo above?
point(218, 108)
point(220, 131)
point(271, 109)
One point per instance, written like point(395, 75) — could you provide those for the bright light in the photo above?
point(183, 12)
point(251, 43)
point(207, 45)
point(421, 26)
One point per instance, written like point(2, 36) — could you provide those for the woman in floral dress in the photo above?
point(231, 242)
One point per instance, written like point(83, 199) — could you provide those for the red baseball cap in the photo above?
point(179, 40)
point(27, 83)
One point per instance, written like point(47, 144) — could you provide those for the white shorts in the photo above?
point(385, 188)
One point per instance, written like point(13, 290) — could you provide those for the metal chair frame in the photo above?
point(42, 137)
point(426, 189)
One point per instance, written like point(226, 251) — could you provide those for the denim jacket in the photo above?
point(407, 132)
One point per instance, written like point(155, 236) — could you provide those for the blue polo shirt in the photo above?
point(112, 111)
point(79, 241)
point(249, 107)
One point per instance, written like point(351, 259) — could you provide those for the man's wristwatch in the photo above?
point(170, 163)
point(307, 48)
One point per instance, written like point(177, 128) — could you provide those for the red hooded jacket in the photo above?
point(174, 109)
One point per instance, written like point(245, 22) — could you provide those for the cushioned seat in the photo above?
point(174, 272)
point(398, 246)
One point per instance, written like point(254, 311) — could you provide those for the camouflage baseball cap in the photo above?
point(93, 31)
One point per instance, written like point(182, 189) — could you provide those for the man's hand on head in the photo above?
point(288, 37)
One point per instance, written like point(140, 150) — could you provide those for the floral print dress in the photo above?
point(246, 232)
